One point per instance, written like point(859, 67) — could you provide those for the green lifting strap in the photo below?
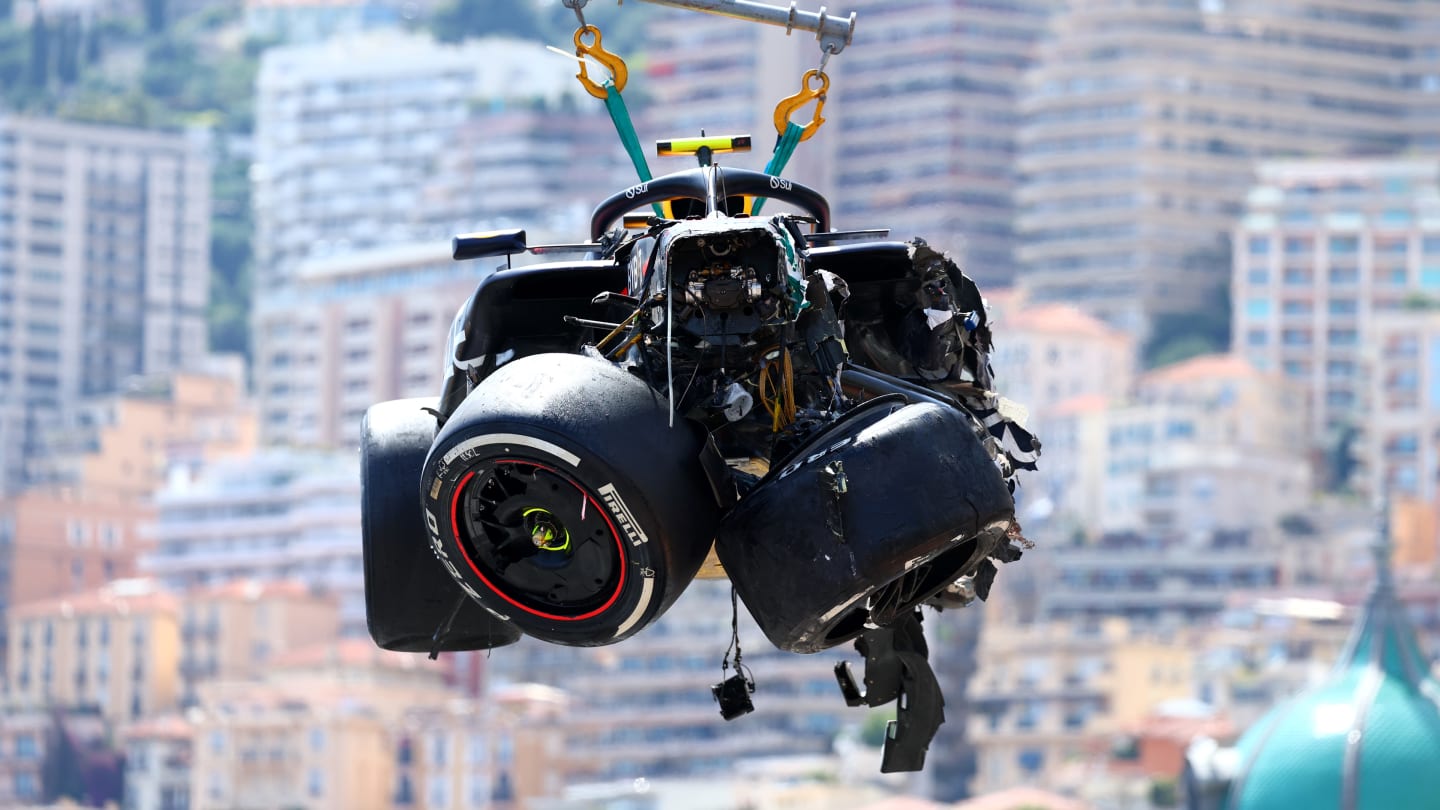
point(620, 115)
point(783, 150)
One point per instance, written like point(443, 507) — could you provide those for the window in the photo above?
point(1258, 276)
point(317, 740)
point(1257, 308)
point(1031, 760)
point(1256, 337)
point(1297, 276)
point(26, 786)
point(1296, 307)
point(1344, 275)
point(1259, 245)
point(1344, 245)
point(1296, 244)
point(315, 783)
point(1344, 306)
point(438, 792)
point(26, 747)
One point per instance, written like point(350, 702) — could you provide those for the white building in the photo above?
point(351, 134)
point(1143, 119)
point(281, 515)
point(1208, 445)
point(104, 267)
point(352, 331)
point(926, 115)
point(1335, 263)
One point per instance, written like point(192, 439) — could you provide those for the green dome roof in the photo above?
point(1368, 739)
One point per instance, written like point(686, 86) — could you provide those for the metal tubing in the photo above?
point(833, 32)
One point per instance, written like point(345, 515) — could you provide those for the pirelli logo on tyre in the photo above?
point(622, 515)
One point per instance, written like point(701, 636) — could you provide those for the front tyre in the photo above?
point(557, 495)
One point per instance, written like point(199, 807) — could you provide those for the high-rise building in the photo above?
point(926, 117)
point(922, 112)
point(1335, 265)
point(725, 77)
point(104, 268)
point(351, 135)
point(352, 331)
point(278, 515)
point(1143, 121)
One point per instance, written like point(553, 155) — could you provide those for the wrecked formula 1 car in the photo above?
point(807, 412)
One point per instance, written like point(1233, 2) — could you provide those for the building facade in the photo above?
point(1143, 120)
point(350, 135)
point(104, 268)
point(1336, 264)
point(116, 650)
point(279, 515)
point(927, 112)
point(1209, 444)
point(1047, 697)
point(238, 629)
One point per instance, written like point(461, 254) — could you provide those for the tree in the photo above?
point(39, 75)
point(459, 20)
point(1204, 328)
point(67, 56)
point(156, 16)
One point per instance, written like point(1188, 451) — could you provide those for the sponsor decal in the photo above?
point(801, 462)
point(779, 183)
point(635, 191)
point(622, 515)
point(432, 525)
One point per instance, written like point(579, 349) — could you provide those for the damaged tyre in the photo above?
point(560, 496)
point(410, 604)
point(865, 522)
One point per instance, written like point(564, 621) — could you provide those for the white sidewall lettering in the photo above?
point(470, 445)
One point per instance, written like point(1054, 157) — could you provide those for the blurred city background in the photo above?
point(1209, 232)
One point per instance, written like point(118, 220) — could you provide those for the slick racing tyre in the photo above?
point(863, 523)
point(408, 595)
point(558, 493)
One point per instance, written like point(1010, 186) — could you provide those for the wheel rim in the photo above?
point(538, 539)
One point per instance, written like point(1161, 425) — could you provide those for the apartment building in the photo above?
point(1047, 698)
point(1400, 452)
point(1143, 121)
point(104, 263)
point(125, 445)
point(238, 629)
point(927, 112)
point(725, 77)
point(350, 135)
point(1208, 444)
point(59, 542)
point(922, 113)
point(116, 649)
point(1335, 265)
point(275, 516)
point(644, 708)
point(158, 757)
point(352, 331)
point(1049, 354)
point(46, 752)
